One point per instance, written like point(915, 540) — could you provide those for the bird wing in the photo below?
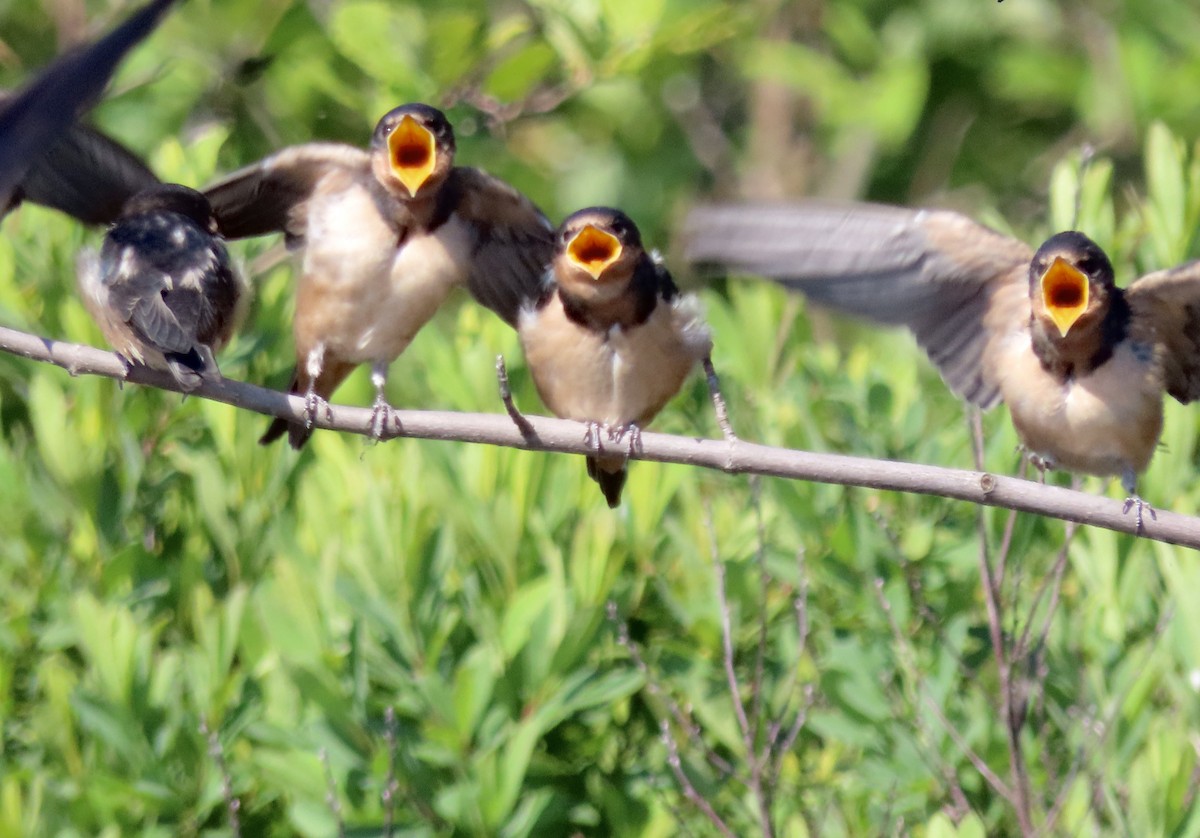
point(268, 196)
point(513, 241)
point(87, 175)
point(32, 119)
point(954, 283)
point(1166, 304)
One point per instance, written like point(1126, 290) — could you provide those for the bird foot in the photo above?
point(312, 405)
point(591, 436)
point(1134, 502)
point(617, 433)
point(1042, 462)
point(382, 415)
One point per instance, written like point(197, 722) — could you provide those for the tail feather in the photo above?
point(298, 433)
point(611, 481)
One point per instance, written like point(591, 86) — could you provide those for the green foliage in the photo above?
point(162, 571)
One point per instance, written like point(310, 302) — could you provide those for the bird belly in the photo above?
point(619, 377)
point(1106, 422)
point(570, 364)
point(363, 296)
point(653, 359)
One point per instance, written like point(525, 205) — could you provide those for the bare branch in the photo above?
point(560, 435)
point(689, 791)
point(232, 804)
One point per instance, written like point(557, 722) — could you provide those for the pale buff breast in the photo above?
point(626, 375)
point(364, 295)
point(1104, 423)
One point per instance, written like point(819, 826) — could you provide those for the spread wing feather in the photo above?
point(954, 283)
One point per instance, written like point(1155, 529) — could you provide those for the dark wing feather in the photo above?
point(37, 115)
point(1166, 308)
point(87, 175)
point(267, 196)
point(951, 281)
point(514, 242)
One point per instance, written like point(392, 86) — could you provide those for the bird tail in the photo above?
point(297, 432)
point(610, 474)
point(333, 373)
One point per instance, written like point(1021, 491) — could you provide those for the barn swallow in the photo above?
point(610, 340)
point(34, 118)
point(162, 289)
point(386, 234)
point(1081, 363)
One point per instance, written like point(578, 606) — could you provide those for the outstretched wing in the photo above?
point(513, 241)
point(87, 175)
point(953, 282)
point(268, 196)
point(1166, 305)
point(38, 114)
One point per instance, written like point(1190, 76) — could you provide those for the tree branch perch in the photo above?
point(559, 435)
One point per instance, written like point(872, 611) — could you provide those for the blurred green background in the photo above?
point(419, 633)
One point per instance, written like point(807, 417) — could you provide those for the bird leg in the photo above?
point(714, 392)
point(1042, 462)
point(313, 402)
point(506, 396)
point(1134, 501)
point(381, 412)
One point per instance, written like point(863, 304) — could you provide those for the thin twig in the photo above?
point(561, 435)
point(764, 581)
point(689, 791)
point(991, 574)
point(331, 794)
point(390, 784)
point(506, 396)
point(685, 724)
point(217, 753)
point(718, 400)
point(739, 708)
point(1107, 723)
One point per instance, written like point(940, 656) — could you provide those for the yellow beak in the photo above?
point(594, 250)
point(1065, 294)
point(413, 154)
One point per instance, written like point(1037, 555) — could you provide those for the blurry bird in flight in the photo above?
point(1081, 363)
point(386, 234)
point(46, 158)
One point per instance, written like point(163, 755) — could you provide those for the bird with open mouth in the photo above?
point(610, 340)
point(1081, 363)
point(386, 234)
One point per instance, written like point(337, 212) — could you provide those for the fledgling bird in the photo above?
point(34, 119)
point(1081, 363)
point(609, 340)
point(386, 234)
point(162, 289)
